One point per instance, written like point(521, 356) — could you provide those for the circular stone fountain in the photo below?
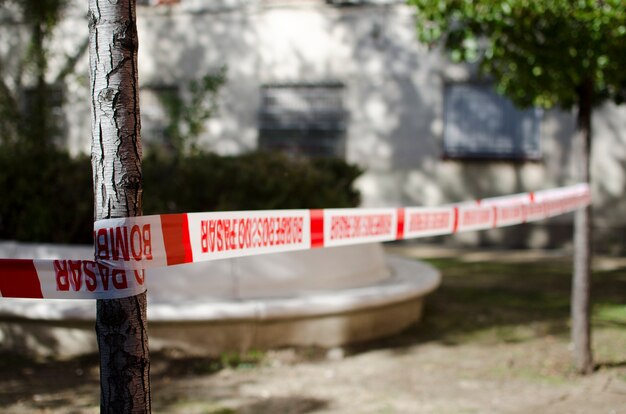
point(325, 297)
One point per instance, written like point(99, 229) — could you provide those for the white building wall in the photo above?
point(393, 94)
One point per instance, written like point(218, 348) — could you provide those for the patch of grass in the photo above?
point(221, 411)
point(188, 405)
point(514, 302)
point(534, 375)
point(609, 346)
point(245, 360)
point(610, 313)
point(499, 334)
point(172, 366)
point(230, 360)
point(521, 310)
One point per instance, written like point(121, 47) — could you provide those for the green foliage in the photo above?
point(227, 360)
point(610, 314)
point(241, 360)
point(48, 195)
point(187, 117)
point(41, 16)
point(9, 114)
point(35, 127)
point(255, 181)
point(539, 52)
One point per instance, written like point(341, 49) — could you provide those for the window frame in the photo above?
point(329, 123)
point(534, 154)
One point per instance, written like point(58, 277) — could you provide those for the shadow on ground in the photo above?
point(484, 303)
point(285, 405)
point(23, 378)
point(492, 302)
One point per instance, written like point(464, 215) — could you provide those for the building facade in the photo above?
point(349, 79)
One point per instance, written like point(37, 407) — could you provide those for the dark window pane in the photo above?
point(307, 119)
point(479, 123)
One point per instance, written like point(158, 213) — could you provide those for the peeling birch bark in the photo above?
point(116, 163)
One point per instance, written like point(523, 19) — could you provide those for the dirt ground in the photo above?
point(422, 378)
point(488, 344)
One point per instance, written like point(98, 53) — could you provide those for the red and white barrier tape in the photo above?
point(126, 247)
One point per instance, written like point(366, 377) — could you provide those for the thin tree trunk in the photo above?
point(39, 127)
point(116, 160)
point(581, 286)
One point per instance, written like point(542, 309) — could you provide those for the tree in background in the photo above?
point(566, 53)
point(39, 17)
point(34, 169)
point(187, 117)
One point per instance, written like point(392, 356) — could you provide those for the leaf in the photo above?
point(537, 51)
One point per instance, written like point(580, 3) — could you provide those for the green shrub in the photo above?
point(255, 181)
point(47, 196)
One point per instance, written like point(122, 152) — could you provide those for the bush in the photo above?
point(255, 181)
point(47, 196)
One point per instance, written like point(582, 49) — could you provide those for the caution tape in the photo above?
point(67, 279)
point(126, 247)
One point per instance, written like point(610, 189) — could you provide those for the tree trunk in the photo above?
point(39, 128)
point(581, 286)
point(116, 161)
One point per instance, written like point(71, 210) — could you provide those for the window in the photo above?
point(306, 119)
point(480, 124)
